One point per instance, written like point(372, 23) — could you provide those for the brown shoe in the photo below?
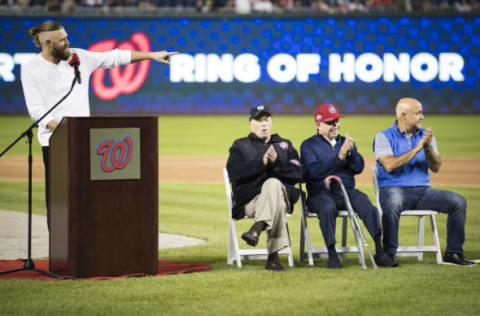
point(250, 238)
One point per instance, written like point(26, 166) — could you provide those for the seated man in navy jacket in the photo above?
point(328, 153)
point(263, 169)
point(404, 153)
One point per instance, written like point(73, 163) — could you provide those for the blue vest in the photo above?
point(415, 173)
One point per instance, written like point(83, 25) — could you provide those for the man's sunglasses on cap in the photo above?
point(332, 122)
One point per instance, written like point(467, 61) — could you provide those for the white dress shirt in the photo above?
point(45, 83)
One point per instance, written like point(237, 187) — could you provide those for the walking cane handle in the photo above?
point(331, 178)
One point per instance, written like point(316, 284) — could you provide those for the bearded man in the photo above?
point(47, 77)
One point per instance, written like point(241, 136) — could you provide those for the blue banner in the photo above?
point(226, 65)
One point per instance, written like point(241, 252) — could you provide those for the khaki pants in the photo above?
point(271, 206)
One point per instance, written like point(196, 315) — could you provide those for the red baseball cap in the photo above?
point(326, 113)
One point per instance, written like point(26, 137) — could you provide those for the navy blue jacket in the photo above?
point(248, 173)
point(321, 161)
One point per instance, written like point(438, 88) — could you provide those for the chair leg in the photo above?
point(361, 256)
point(309, 246)
point(290, 255)
point(356, 235)
point(233, 248)
point(436, 241)
point(364, 242)
point(344, 237)
point(421, 234)
point(301, 253)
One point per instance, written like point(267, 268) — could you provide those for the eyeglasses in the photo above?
point(331, 123)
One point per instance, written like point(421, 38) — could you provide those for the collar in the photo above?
point(323, 138)
point(397, 129)
point(332, 142)
point(49, 63)
point(274, 138)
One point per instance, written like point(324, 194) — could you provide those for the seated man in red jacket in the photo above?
point(263, 169)
point(328, 153)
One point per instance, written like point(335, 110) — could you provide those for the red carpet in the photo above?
point(164, 268)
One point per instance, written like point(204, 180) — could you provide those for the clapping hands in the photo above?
point(270, 155)
point(426, 139)
point(346, 148)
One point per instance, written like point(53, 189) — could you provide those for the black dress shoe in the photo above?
point(395, 262)
point(457, 258)
point(274, 266)
point(251, 238)
point(385, 260)
point(333, 261)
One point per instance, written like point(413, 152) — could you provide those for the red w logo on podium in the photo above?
point(115, 155)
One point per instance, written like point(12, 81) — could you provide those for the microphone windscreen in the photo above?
point(73, 60)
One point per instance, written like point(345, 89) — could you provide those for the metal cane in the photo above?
point(354, 223)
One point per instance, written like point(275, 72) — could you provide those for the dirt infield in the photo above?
point(454, 172)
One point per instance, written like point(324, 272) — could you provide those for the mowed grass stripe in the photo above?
point(300, 291)
point(14, 196)
point(185, 206)
point(208, 135)
point(200, 210)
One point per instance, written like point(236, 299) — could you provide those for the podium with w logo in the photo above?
point(104, 196)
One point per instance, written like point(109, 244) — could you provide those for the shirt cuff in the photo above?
point(125, 56)
point(43, 123)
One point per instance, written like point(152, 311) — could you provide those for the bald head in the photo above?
point(406, 105)
point(409, 114)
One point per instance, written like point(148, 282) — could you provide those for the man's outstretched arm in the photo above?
point(161, 56)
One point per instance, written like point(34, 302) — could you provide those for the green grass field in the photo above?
point(213, 135)
point(200, 210)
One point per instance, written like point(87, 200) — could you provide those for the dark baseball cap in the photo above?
point(256, 111)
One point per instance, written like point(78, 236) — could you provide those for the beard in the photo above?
point(60, 53)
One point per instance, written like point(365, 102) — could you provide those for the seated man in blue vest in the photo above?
point(328, 153)
point(404, 153)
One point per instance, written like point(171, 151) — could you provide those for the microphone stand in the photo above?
point(28, 263)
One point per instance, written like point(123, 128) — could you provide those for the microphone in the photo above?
point(74, 62)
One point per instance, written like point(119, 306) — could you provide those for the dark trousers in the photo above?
point(394, 200)
point(326, 204)
point(47, 185)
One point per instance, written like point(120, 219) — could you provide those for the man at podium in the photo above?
point(48, 76)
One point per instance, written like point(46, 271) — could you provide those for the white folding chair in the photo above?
point(235, 253)
point(321, 252)
point(418, 250)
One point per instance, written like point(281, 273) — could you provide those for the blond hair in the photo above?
point(46, 26)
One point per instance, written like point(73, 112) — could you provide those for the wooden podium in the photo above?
point(104, 196)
